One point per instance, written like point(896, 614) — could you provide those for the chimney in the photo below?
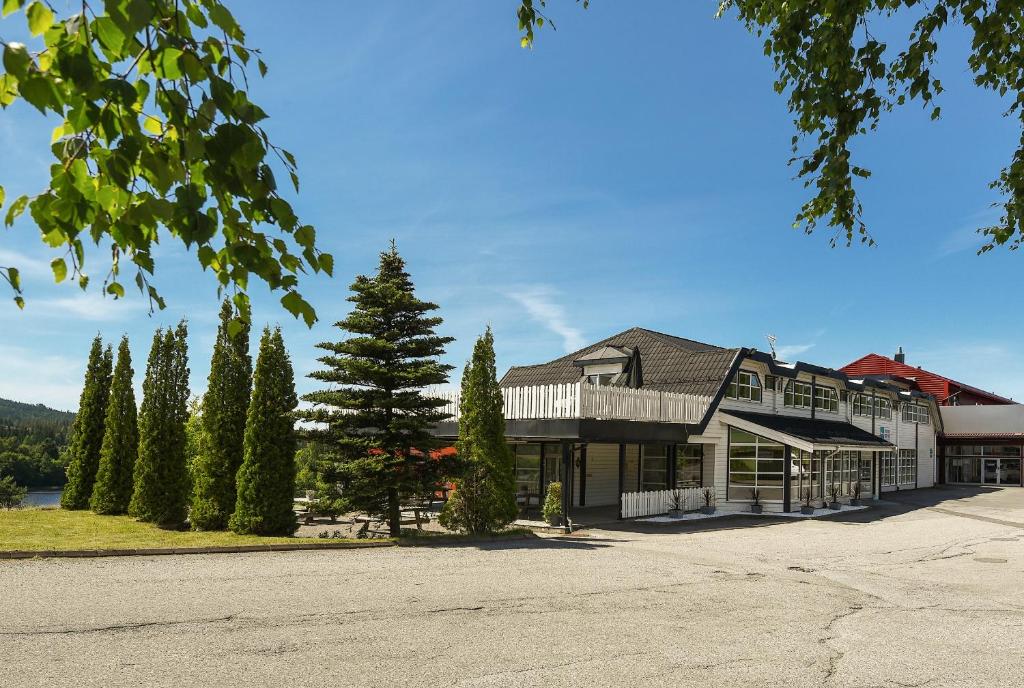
point(900, 357)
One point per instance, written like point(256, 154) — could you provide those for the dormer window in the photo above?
point(608, 366)
point(746, 386)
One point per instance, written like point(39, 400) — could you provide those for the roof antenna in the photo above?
point(771, 342)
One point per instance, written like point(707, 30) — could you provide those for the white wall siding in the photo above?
point(602, 474)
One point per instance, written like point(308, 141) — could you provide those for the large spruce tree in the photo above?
point(113, 489)
point(226, 404)
point(87, 431)
point(485, 496)
point(161, 477)
point(374, 416)
point(266, 479)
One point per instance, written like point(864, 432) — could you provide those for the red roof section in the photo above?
point(939, 386)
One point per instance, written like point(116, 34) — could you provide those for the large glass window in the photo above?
point(755, 461)
point(689, 458)
point(806, 475)
point(964, 463)
point(888, 468)
point(907, 468)
point(883, 408)
point(655, 467)
point(746, 386)
point(826, 399)
point(527, 458)
point(915, 413)
point(798, 394)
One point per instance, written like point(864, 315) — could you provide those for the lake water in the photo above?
point(43, 498)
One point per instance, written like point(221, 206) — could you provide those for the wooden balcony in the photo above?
point(583, 400)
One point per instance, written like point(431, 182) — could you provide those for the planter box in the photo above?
point(675, 513)
point(707, 510)
point(807, 510)
point(856, 501)
point(756, 508)
point(835, 506)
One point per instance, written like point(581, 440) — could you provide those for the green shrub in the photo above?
point(553, 502)
point(11, 494)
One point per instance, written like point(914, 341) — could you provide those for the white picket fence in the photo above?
point(582, 400)
point(654, 502)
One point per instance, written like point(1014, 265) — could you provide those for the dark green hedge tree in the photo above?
point(374, 415)
point(226, 405)
point(158, 140)
point(113, 489)
point(87, 431)
point(266, 479)
point(161, 481)
point(485, 496)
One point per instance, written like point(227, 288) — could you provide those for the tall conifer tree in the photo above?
point(266, 479)
point(375, 417)
point(161, 477)
point(87, 431)
point(225, 404)
point(113, 489)
point(485, 497)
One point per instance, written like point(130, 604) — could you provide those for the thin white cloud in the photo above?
point(91, 306)
point(27, 265)
point(539, 303)
point(791, 351)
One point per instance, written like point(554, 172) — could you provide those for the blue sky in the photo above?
point(627, 171)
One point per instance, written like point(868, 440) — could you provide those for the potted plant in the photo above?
point(755, 501)
point(833, 497)
point(708, 494)
point(676, 504)
point(552, 510)
point(807, 509)
point(857, 489)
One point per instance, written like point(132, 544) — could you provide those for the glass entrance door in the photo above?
point(990, 472)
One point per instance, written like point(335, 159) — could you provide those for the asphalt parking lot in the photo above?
point(926, 589)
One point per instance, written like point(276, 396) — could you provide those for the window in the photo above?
point(755, 462)
point(655, 467)
point(746, 386)
point(798, 394)
point(907, 468)
point(689, 458)
point(826, 399)
point(883, 408)
point(863, 403)
point(888, 472)
point(915, 413)
point(602, 380)
point(528, 473)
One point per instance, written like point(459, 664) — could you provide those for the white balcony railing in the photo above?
point(582, 400)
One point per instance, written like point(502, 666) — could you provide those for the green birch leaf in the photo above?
point(40, 18)
point(60, 270)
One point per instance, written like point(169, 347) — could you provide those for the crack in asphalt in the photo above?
point(118, 627)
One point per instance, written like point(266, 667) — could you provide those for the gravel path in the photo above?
point(897, 596)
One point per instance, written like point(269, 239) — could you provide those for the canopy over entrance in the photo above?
point(807, 434)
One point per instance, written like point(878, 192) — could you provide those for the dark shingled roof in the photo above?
point(815, 431)
point(670, 364)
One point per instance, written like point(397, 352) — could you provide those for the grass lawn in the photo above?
point(55, 529)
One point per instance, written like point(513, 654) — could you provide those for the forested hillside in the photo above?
point(32, 441)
